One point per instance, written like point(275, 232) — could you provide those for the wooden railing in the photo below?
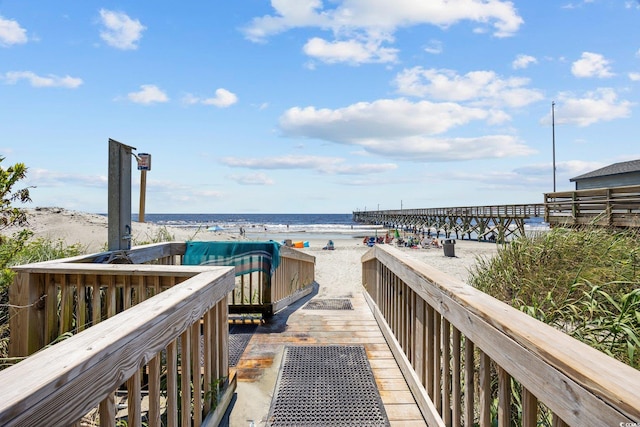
point(53, 298)
point(516, 211)
point(258, 292)
point(166, 357)
point(293, 279)
point(615, 206)
point(449, 338)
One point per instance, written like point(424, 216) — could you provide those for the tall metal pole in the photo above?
point(553, 134)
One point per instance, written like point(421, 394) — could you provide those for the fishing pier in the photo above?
point(501, 221)
point(617, 207)
point(152, 341)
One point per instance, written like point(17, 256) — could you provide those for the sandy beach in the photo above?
point(338, 274)
point(340, 266)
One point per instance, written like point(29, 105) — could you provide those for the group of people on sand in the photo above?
point(426, 242)
point(371, 240)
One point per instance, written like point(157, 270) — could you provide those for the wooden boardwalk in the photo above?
point(258, 368)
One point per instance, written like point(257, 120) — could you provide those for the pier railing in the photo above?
point(481, 221)
point(450, 339)
point(163, 361)
point(50, 299)
point(615, 206)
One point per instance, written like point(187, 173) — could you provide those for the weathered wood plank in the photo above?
point(557, 369)
point(504, 398)
point(100, 358)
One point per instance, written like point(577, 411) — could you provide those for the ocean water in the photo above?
point(280, 227)
point(276, 227)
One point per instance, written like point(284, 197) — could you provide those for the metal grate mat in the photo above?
point(328, 304)
point(239, 337)
point(326, 386)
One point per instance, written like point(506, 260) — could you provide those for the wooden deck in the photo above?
point(258, 368)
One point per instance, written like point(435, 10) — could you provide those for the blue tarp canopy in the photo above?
point(246, 257)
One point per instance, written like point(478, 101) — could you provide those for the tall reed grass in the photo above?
point(585, 282)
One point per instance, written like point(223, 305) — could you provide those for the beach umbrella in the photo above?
point(215, 228)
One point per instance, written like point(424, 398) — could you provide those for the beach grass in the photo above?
point(18, 250)
point(585, 282)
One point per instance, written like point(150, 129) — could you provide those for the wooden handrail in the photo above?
point(422, 307)
point(615, 206)
point(60, 384)
point(51, 298)
point(293, 278)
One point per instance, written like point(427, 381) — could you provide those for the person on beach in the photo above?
point(435, 243)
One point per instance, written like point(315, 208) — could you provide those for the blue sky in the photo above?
point(288, 106)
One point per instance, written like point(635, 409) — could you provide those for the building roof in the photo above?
point(614, 169)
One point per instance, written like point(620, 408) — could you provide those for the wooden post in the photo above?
point(143, 194)
point(144, 165)
point(26, 315)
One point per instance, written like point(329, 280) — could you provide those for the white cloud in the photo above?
point(425, 149)
point(591, 65)
point(526, 177)
point(120, 31)
point(223, 99)
point(190, 99)
point(401, 129)
point(252, 179)
point(381, 14)
point(601, 105)
point(12, 77)
point(480, 87)
point(360, 27)
point(282, 162)
point(434, 47)
point(11, 32)
point(385, 118)
point(324, 165)
point(50, 178)
point(634, 77)
point(570, 168)
point(350, 51)
point(523, 61)
point(149, 94)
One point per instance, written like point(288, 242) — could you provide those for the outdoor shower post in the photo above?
point(119, 199)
